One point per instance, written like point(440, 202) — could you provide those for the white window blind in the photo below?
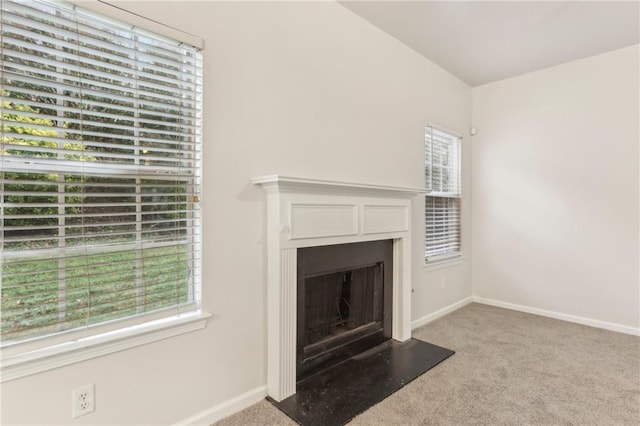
point(100, 174)
point(442, 203)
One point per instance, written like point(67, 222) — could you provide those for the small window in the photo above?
point(99, 177)
point(443, 199)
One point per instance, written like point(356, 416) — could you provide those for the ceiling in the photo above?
point(485, 41)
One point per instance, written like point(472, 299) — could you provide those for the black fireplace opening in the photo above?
point(344, 302)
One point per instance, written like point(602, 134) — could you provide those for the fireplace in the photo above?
point(344, 302)
point(310, 214)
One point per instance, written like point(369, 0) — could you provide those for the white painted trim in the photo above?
point(634, 331)
point(401, 312)
point(440, 313)
point(26, 364)
point(445, 130)
point(284, 183)
point(444, 263)
point(227, 408)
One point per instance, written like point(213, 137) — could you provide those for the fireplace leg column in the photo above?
point(282, 325)
point(401, 322)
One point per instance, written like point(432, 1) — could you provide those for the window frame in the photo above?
point(451, 257)
point(43, 353)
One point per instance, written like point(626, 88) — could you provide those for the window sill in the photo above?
point(444, 263)
point(28, 363)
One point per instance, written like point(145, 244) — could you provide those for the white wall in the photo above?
point(556, 184)
point(305, 89)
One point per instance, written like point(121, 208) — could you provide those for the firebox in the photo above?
point(344, 302)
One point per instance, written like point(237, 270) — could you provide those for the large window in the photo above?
point(442, 203)
point(99, 174)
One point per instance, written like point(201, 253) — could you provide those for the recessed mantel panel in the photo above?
point(323, 220)
point(383, 218)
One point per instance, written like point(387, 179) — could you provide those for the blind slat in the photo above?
point(104, 38)
point(91, 107)
point(144, 105)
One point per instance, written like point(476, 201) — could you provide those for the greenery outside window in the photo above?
point(99, 174)
point(443, 198)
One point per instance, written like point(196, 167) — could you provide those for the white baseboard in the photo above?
point(557, 315)
point(240, 402)
point(440, 313)
point(227, 408)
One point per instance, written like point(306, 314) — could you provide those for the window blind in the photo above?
point(443, 199)
point(100, 173)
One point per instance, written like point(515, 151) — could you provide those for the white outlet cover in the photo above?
point(83, 400)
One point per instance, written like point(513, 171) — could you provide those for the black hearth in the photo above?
point(338, 394)
point(344, 302)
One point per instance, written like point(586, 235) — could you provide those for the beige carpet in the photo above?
point(509, 368)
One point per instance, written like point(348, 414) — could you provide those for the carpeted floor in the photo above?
point(510, 368)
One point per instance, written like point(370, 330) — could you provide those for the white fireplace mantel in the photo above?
point(289, 183)
point(305, 212)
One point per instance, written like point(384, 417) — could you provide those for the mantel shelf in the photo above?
point(297, 184)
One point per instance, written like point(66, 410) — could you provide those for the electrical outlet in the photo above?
point(83, 400)
point(443, 282)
